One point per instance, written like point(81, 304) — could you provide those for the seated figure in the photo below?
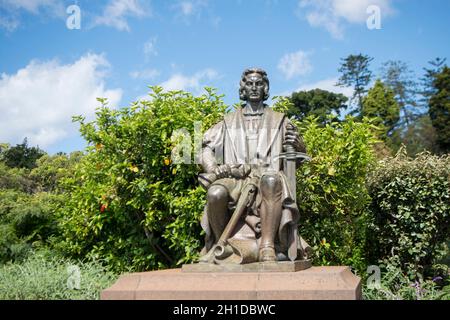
point(249, 161)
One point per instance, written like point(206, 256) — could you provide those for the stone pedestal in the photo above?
point(315, 283)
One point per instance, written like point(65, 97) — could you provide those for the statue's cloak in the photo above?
point(227, 139)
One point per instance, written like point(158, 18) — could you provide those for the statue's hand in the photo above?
point(292, 138)
point(240, 171)
point(223, 171)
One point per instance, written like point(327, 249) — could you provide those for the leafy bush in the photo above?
point(411, 206)
point(26, 221)
point(128, 203)
point(331, 191)
point(396, 285)
point(15, 178)
point(45, 276)
point(51, 170)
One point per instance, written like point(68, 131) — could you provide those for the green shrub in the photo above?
point(331, 191)
point(50, 171)
point(395, 284)
point(46, 276)
point(411, 207)
point(26, 221)
point(127, 202)
point(15, 178)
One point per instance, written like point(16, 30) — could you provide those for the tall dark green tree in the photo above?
point(400, 79)
point(428, 88)
point(439, 110)
point(317, 102)
point(355, 73)
point(381, 105)
point(22, 156)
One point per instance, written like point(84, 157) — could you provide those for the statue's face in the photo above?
point(254, 87)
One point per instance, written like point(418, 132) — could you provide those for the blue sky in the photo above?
point(49, 72)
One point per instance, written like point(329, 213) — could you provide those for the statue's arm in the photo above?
point(209, 144)
point(209, 162)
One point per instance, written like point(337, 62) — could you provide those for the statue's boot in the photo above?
point(267, 254)
point(270, 213)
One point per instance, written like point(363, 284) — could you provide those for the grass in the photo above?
point(46, 276)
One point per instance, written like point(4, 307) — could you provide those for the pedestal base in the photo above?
point(315, 283)
point(281, 266)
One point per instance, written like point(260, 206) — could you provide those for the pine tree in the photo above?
point(355, 73)
point(400, 79)
point(381, 105)
point(439, 110)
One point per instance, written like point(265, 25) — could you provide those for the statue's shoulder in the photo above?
point(275, 114)
point(231, 117)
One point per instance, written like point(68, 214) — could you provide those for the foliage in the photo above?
point(380, 105)
point(22, 156)
point(50, 171)
point(398, 77)
point(428, 89)
point(26, 221)
point(331, 195)
point(44, 276)
point(416, 138)
point(15, 178)
point(355, 73)
point(411, 206)
point(318, 103)
point(128, 202)
point(396, 285)
point(440, 108)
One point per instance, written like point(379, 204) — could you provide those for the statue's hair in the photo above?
point(263, 74)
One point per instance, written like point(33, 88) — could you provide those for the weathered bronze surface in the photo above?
point(280, 266)
point(249, 161)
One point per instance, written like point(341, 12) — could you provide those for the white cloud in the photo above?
point(193, 83)
point(9, 23)
point(330, 14)
point(146, 74)
point(10, 17)
point(115, 13)
point(295, 64)
point(327, 84)
point(150, 48)
point(39, 100)
point(189, 8)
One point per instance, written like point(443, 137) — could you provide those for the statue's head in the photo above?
point(254, 85)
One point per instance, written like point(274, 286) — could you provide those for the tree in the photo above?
point(129, 202)
point(355, 73)
point(439, 110)
point(427, 80)
point(22, 156)
point(381, 105)
point(400, 79)
point(317, 102)
point(51, 171)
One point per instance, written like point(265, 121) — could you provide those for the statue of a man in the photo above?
point(251, 214)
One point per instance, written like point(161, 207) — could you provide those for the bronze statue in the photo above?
point(249, 161)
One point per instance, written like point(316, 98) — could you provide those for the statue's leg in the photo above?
point(270, 213)
point(217, 198)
